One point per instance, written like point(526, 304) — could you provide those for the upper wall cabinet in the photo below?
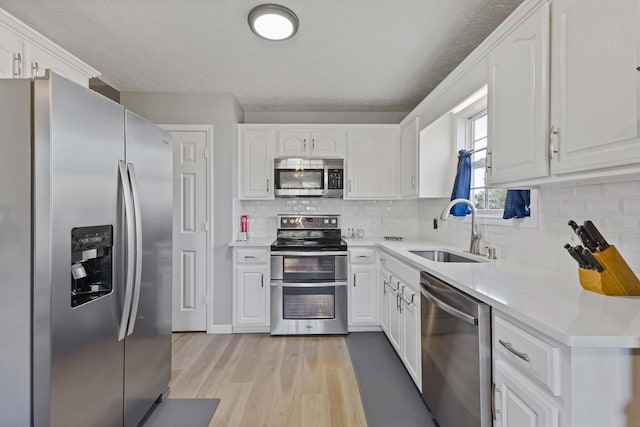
point(409, 159)
point(595, 85)
point(371, 164)
point(437, 162)
point(321, 144)
point(256, 149)
point(26, 53)
point(518, 101)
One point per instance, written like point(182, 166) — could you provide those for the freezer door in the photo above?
point(78, 141)
point(148, 342)
point(15, 253)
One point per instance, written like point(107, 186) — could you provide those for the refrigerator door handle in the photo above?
point(138, 264)
point(130, 225)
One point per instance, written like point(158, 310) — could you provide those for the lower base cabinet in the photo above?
point(251, 290)
point(363, 295)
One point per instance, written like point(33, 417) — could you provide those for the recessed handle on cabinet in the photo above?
point(313, 144)
point(354, 280)
point(509, 346)
point(413, 181)
point(249, 257)
point(17, 64)
point(553, 133)
point(35, 69)
point(363, 256)
point(349, 185)
point(304, 144)
point(262, 280)
point(489, 160)
point(267, 185)
point(384, 286)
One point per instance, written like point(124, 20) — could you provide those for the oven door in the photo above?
point(308, 308)
point(299, 183)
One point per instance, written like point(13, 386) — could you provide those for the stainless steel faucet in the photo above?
point(474, 246)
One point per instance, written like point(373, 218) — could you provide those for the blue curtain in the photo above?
point(517, 204)
point(462, 184)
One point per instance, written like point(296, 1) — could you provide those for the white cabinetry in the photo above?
point(437, 160)
point(256, 148)
point(595, 85)
point(250, 290)
point(401, 311)
point(363, 295)
point(26, 53)
point(518, 101)
point(409, 159)
point(371, 169)
point(321, 144)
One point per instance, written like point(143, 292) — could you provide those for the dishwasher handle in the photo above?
point(449, 309)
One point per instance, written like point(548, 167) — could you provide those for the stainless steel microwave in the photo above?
point(308, 178)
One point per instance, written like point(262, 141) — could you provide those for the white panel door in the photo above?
point(411, 340)
point(189, 231)
point(409, 160)
point(595, 86)
point(371, 164)
point(518, 101)
point(10, 46)
point(293, 143)
point(363, 298)
point(518, 401)
point(251, 296)
point(255, 161)
point(328, 144)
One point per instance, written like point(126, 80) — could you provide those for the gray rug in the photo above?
point(182, 413)
point(389, 396)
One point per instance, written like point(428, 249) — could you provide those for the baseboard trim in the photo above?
point(241, 329)
point(220, 329)
point(365, 328)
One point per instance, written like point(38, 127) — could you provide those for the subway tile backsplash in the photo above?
point(614, 208)
point(376, 217)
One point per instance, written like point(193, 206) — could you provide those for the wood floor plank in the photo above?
point(266, 381)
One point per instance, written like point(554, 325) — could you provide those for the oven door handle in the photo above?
point(305, 254)
point(307, 284)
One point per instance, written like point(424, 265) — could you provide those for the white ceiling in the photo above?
point(349, 55)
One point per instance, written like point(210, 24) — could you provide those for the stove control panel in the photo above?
point(324, 222)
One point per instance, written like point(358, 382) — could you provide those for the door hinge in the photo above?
point(206, 153)
point(205, 226)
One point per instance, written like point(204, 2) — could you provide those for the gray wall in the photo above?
point(223, 111)
point(324, 117)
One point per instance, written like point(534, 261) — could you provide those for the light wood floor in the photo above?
point(269, 381)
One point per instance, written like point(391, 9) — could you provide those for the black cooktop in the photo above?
point(309, 245)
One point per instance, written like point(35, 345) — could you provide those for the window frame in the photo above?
point(463, 139)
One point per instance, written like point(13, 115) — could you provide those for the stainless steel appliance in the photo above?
point(456, 355)
point(308, 178)
point(85, 257)
point(308, 276)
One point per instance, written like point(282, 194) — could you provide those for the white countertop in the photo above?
point(553, 303)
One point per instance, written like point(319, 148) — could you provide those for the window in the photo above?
point(488, 200)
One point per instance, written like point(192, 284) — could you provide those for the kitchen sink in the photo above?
point(443, 256)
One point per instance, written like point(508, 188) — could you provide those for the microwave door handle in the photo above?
point(326, 180)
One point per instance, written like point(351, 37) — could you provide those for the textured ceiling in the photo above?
point(349, 55)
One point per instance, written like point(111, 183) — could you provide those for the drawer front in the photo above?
point(252, 256)
point(362, 256)
point(530, 354)
point(401, 271)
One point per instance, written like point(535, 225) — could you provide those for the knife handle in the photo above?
point(586, 239)
point(573, 225)
point(576, 255)
point(593, 262)
point(597, 237)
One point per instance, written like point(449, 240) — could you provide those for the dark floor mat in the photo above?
point(182, 413)
point(389, 396)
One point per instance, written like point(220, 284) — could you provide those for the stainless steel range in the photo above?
point(308, 276)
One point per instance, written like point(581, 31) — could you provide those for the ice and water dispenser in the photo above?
point(91, 263)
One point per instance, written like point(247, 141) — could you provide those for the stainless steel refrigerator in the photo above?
point(85, 257)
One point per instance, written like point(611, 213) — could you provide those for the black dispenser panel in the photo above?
point(91, 263)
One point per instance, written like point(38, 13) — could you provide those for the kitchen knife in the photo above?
point(573, 225)
point(587, 240)
point(593, 262)
point(597, 237)
point(576, 255)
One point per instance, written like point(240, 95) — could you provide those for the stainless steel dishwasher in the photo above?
point(456, 355)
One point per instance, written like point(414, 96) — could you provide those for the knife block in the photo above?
point(617, 278)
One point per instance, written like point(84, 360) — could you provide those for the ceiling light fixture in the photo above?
point(273, 22)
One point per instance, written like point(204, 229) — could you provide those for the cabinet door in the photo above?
point(518, 101)
point(255, 160)
point(519, 403)
point(411, 344)
point(11, 52)
point(251, 296)
point(437, 161)
point(329, 144)
point(595, 96)
point(395, 318)
point(409, 160)
point(293, 143)
point(363, 298)
point(371, 164)
point(383, 291)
